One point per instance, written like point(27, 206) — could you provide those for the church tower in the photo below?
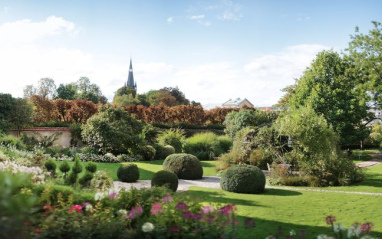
point(130, 79)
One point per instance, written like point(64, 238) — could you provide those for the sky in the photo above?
point(211, 50)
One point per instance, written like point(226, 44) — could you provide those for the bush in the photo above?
point(50, 165)
point(101, 181)
point(163, 151)
point(173, 137)
point(185, 166)
point(11, 141)
point(64, 167)
point(72, 178)
point(89, 150)
point(85, 180)
point(205, 146)
point(165, 178)
point(147, 152)
point(243, 179)
point(91, 167)
point(225, 143)
point(77, 167)
point(128, 173)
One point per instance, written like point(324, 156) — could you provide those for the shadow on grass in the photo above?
point(280, 192)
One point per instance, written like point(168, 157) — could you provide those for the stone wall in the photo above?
point(62, 134)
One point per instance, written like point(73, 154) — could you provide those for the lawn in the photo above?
point(148, 168)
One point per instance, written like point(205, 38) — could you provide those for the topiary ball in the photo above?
point(147, 152)
point(185, 166)
point(243, 179)
point(128, 173)
point(165, 178)
point(50, 165)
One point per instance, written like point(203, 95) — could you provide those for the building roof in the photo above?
point(130, 78)
point(237, 103)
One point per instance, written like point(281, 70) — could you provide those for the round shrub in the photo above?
point(147, 152)
point(50, 165)
point(185, 166)
point(243, 179)
point(101, 181)
point(128, 173)
point(91, 167)
point(165, 178)
point(64, 167)
point(163, 151)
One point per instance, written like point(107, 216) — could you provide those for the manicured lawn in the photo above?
point(296, 210)
point(148, 168)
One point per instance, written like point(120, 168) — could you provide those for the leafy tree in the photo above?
point(177, 94)
point(365, 55)
point(29, 90)
point(46, 88)
point(330, 90)
point(7, 104)
point(21, 115)
point(376, 134)
point(82, 110)
point(113, 130)
point(235, 121)
point(66, 92)
point(88, 91)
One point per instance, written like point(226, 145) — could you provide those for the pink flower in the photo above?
point(181, 206)
point(47, 209)
point(174, 229)
point(190, 215)
point(76, 207)
point(207, 209)
point(366, 227)
point(37, 231)
point(113, 195)
point(156, 208)
point(226, 210)
point(167, 198)
point(135, 211)
point(249, 223)
point(330, 220)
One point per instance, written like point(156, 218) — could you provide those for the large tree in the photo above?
point(66, 92)
point(331, 90)
point(21, 114)
point(365, 54)
point(7, 104)
point(46, 88)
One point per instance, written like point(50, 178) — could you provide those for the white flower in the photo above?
point(338, 227)
point(122, 212)
point(148, 227)
point(322, 237)
point(99, 196)
point(89, 208)
point(292, 233)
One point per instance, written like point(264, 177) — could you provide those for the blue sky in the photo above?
point(211, 50)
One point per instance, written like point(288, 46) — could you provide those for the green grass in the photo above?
point(147, 168)
point(296, 210)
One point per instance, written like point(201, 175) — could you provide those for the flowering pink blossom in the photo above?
point(227, 210)
point(37, 231)
point(330, 220)
point(135, 211)
point(207, 209)
point(190, 215)
point(156, 208)
point(181, 206)
point(167, 198)
point(113, 195)
point(174, 229)
point(76, 207)
point(47, 209)
point(366, 227)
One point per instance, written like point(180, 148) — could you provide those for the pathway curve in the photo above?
point(377, 159)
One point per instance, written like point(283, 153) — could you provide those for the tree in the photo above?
point(82, 110)
point(46, 88)
point(29, 90)
point(113, 130)
point(330, 90)
point(125, 100)
point(66, 92)
point(365, 55)
point(177, 94)
point(7, 104)
point(21, 114)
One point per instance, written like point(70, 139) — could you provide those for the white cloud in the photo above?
point(197, 17)
point(170, 19)
point(232, 11)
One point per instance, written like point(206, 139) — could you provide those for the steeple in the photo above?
point(130, 79)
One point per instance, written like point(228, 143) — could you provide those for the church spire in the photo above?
point(130, 79)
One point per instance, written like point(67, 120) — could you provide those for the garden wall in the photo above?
point(62, 135)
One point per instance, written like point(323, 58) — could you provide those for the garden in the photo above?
point(292, 173)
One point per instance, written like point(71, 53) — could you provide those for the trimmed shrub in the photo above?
point(163, 151)
point(72, 178)
point(147, 152)
point(77, 167)
point(185, 166)
point(128, 173)
point(91, 167)
point(165, 178)
point(101, 181)
point(243, 179)
point(85, 180)
point(65, 167)
point(51, 166)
